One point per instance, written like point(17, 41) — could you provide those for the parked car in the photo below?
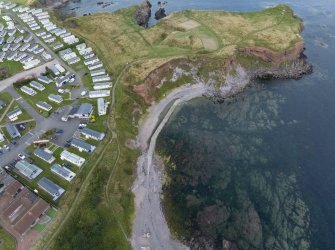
point(21, 156)
point(6, 147)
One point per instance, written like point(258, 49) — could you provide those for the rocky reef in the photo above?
point(229, 197)
point(143, 14)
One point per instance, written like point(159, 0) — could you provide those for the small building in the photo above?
point(64, 79)
point(44, 79)
point(28, 38)
point(92, 134)
point(15, 47)
point(6, 47)
point(32, 47)
point(81, 46)
point(98, 72)
point(11, 56)
point(54, 70)
point(102, 106)
point(46, 56)
point(44, 155)
point(55, 98)
point(60, 68)
point(2, 138)
point(95, 66)
point(57, 46)
point(101, 78)
point(98, 93)
point(18, 39)
point(37, 85)
point(84, 111)
point(40, 34)
point(2, 56)
point(88, 56)
point(39, 50)
point(70, 39)
point(20, 56)
point(68, 56)
point(11, 32)
point(82, 146)
point(72, 158)
point(27, 169)
point(28, 91)
point(64, 52)
point(91, 61)
point(73, 60)
point(51, 188)
point(85, 51)
point(31, 63)
point(24, 47)
point(13, 115)
point(62, 172)
point(44, 105)
point(102, 85)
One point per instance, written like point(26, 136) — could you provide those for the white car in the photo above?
point(61, 91)
point(21, 156)
point(6, 147)
point(83, 93)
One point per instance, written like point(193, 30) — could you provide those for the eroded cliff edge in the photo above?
point(258, 62)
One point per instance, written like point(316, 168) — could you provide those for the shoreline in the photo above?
point(150, 226)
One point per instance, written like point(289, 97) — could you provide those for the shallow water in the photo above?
point(265, 156)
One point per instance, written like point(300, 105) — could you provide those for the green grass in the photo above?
point(7, 98)
point(43, 96)
point(7, 241)
point(12, 67)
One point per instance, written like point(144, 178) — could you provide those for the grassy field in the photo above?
point(7, 242)
point(185, 33)
point(103, 216)
point(12, 67)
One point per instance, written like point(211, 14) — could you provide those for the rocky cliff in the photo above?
point(289, 64)
point(143, 13)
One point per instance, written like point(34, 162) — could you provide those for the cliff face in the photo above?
point(276, 58)
point(143, 13)
point(290, 64)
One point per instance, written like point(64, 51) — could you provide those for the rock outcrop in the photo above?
point(143, 14)
point(160, 13)
point(290, 64)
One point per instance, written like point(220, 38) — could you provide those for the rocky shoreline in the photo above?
point(291, 64)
